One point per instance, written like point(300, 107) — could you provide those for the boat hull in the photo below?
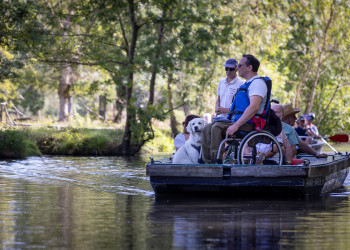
point(315, 177)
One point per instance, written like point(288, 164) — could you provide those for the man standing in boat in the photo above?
point(226, 91)
point(227, 88)
point(250, 103)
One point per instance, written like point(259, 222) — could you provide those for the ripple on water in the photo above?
point(100, 173)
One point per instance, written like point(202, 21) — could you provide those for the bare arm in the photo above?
point(220, 110)
point(247, 115)
point(287, 146)
point(217, 104)
point(294, 150)
point(307, 149)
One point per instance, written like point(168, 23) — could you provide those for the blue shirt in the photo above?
point(292, 136)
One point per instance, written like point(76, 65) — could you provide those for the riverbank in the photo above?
point(24, 142)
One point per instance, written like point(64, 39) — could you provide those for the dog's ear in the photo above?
point(202, 122)
point(189, 127)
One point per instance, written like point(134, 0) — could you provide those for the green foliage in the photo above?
point(73, 141)
point(317, 62)
point(7, 67)
point(162, 142)
point(302, 45)
point(16, 144)
point(141, 125)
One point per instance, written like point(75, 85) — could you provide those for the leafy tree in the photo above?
point(318, 57)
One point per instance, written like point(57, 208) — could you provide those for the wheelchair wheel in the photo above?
point(256, 145)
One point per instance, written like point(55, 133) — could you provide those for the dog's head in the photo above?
point(196, 125)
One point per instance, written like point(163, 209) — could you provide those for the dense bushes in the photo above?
point(73, 141)
point(17, 143)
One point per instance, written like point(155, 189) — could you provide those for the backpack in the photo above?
point(273, 122)
point(268, 120)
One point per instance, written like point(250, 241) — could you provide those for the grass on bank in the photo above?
point(17, 144)
point(23, 142)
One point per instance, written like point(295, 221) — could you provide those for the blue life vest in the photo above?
point(241, 100)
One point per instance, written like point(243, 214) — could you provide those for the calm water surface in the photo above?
point(107, 203)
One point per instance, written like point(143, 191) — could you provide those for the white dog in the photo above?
point(189, 152)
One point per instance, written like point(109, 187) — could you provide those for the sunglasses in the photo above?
point(230, 69)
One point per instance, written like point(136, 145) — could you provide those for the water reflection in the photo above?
point(107, 202)
point(253, 223)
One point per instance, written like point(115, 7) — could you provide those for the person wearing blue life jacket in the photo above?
point(248, 103)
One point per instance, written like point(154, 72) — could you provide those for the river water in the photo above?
point(108, 203)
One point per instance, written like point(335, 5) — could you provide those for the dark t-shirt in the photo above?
point(301, 132)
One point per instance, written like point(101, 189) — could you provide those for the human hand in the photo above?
point(231, 130)
point(321, 156)
point(221, 110)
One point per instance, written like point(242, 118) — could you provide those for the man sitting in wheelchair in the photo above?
point(245, 113)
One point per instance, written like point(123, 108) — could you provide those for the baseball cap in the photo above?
point(231, 63)
point(302, 118)
point(311, 116)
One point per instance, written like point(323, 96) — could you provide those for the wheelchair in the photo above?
point(250, 149)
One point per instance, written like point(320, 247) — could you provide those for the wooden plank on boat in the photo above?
point(185, 170)
point(267, 171)
point(328, 168)
point(215, 171)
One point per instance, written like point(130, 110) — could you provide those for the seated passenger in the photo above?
point(207, 117)
point(181, 138)
point(266, 151)
point(311, 126)
point(303, 131)
point(288, 121)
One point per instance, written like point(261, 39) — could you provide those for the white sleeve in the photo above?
point(258, 87)
point(179, 140)
point(218, 92)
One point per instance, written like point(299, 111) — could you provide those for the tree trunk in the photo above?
point(102, 106)
point(125, 146)
point(64, 92)
point(1, 113)
point(39, 115)
point(173, 122)
point(313, 90)
point(126, 143)
point(186, 109)
point(319, 61)
point(119, 104)
point(155, 62)
point(304, 78)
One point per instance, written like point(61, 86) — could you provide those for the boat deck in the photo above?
point(313, 176)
